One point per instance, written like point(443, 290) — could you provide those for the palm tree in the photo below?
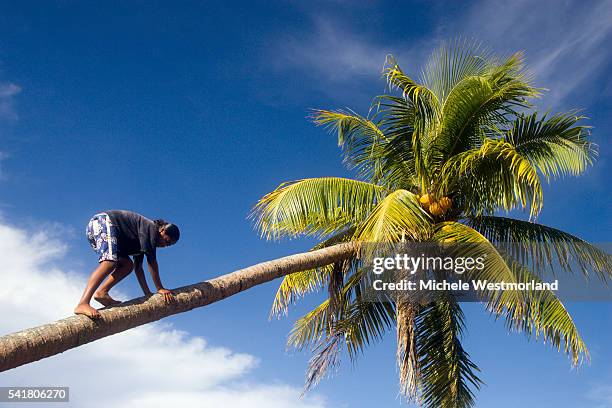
point(437, 160)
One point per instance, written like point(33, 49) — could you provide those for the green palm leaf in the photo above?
point(426, 103)
point(446, 371)
point(467, 242)
point(360, 138)
point(355, 324)
point(555, 145)
point(451, 63)
point(317, 206)
point(478, 103)
point(427, 112)
point(492, 176)
point(296, 285)
point(397, 155)
point(398, 216)
point(544, 317)
point(542, 247)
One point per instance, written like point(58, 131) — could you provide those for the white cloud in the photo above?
point(7, 92)
point(152, 366)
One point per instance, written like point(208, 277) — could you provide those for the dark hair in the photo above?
point(171, 230)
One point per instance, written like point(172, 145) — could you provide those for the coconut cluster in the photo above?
point(435, 208)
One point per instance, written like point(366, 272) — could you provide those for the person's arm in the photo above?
point(154, 271)
point(140, 275)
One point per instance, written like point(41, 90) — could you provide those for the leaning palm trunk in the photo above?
point(44, 341)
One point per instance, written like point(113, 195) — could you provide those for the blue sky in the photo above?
point(192, 111)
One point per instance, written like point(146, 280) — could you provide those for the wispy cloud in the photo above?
point(601, 395)
point(566, 45)
point(8, 90)
point(3, 156)
point(153, 365)
point(339, 61)
point(332, 52)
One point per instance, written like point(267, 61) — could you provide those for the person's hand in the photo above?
point(166, 294)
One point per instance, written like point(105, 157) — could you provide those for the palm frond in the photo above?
point(310, 328)
point(326, 357)
point(427, 105)
point(555, 145)
point(492, 176)
point(541, 247)
point(397, 216)
point(316, 206)
point(447, 373)
point(467, 242)
point(360, 138)
point(451, 63)
point(296, 285)
point(544, 317)
point(427, 111)
point(398, 163)
point(480, 102)
point(320, 323)
point(365, 322)
point(354, 323)
point(538, 313)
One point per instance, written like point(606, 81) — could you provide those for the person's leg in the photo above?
point(101, 272)
point(123, 269)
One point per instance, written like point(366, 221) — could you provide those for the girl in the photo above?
point(116, 235)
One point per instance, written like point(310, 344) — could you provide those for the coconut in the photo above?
point(426, 199)
point(435, 209)
point(445, 203)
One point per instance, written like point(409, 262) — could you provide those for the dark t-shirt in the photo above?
point(135, 234)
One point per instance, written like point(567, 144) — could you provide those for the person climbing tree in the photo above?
point(116, 235)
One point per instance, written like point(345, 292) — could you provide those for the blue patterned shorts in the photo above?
point(102, 236)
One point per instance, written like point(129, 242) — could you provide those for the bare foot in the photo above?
point(87, 310)
point(105, 299)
